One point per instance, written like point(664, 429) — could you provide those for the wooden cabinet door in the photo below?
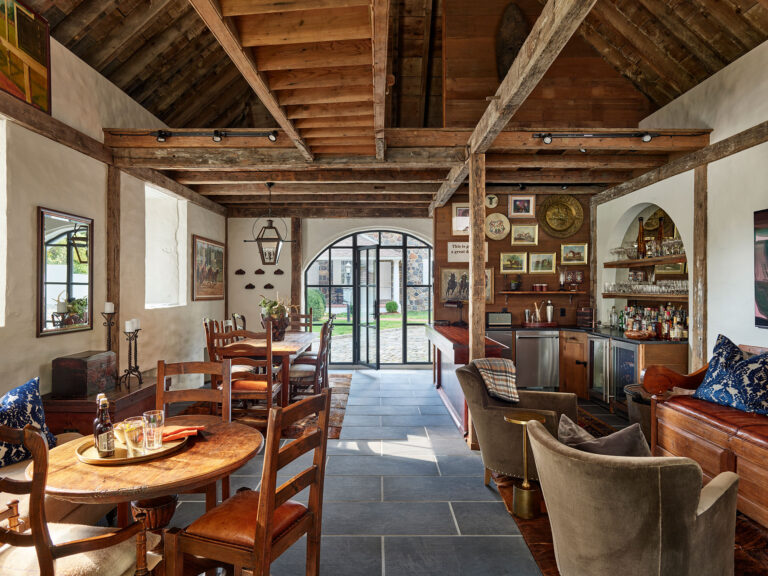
point(574, 354)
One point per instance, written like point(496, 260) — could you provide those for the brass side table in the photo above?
point(526, 499)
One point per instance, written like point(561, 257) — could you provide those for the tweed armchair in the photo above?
point(634, 516)
point(501, 443)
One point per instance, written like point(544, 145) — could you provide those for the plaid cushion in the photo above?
point(499, 377)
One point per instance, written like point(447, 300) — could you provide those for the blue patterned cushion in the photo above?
point(19, 407)
point(735, 380)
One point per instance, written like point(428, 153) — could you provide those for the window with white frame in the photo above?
point(165, 248)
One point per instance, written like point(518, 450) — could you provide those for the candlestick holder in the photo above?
point(109, 322)
point(133, 362)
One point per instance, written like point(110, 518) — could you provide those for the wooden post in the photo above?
point(226, 267)
point(113, 254)
point(698, 324)
point(593, 258)
point(477, 256)
point(296, 261)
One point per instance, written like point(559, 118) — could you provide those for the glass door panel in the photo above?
point(368, 304)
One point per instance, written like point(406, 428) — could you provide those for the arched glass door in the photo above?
point(379, 286)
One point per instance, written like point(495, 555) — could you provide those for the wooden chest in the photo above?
point(84, 374)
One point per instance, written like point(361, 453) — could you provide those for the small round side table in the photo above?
point(526, 501)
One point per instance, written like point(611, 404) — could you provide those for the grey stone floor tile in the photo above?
point(484, 519)
point(439, 489)
point(339, 556)
point(428, 420)
point(363, 400)
point(186, 513)
point(352, 489)
point(361, 420)
point(444, 432)
point(384, 518)
point(433, 410)
point(354, 447)
point(416, 448)
point(379, 466)
point(458, 556)
point(379, 432)
point(382, 410)
point(431, 400)
point(460, 465)
point(456, 446)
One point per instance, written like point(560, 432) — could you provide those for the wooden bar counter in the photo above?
point(450, 347)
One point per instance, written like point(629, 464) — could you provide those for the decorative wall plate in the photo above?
point(279, 272)
point(259, 271)
point(491, 201)
point(561, 216)
point(268, 287)
point(250, 287)
point(496, 226)
point(240, 272)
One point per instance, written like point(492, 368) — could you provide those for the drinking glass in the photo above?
point(134, 435)
point(153, 429)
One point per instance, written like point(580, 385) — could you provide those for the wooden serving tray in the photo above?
point(639, 334)
point(86, 453)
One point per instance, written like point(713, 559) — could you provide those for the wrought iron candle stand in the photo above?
point(109, 322)
point(133, 366)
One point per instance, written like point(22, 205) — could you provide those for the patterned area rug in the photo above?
point(751, 549)
point(339, 384)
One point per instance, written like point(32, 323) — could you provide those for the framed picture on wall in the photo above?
point(460, 218)
point(454, 284)
point(522, 206)
point(525, 234)
point(542, 263)
point(573, 254)
point(208, 279)
point(513, 262)
point(761, 269)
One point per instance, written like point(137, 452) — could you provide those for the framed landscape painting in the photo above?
point(513, 262)
point(761, 269)
point(208, 274)
point(573, 254)
point(542, 263)
point(525, 234)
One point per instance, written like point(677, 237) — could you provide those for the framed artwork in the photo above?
point(573, 254)
point(670, 269)
point(454, 284)
point(525, 234)
point(459, 251)
point(513, 262)
point(460, 218)
point(522, 206)
point(496, 226)
point(491, 201)
point(542, 263)
point(25, 63)
point(208, 273)
point(761, 269)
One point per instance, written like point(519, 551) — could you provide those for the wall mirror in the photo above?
point(65, 273)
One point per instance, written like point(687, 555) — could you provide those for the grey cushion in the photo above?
point(627, 442)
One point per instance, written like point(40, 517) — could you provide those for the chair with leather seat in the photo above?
point(310, 356)
point(34, 546)
point(299, 322)
point(252, 529)
point(311, 376)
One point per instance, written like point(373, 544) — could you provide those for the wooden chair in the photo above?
point(220, 398)
point(238, 321)
point(310, 376)
point(300, 322)
point(36, 533)
point(252, 529)
point(310, 356)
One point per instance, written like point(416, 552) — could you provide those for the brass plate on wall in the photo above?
point(561, 216)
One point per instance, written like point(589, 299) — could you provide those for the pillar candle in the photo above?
point(129, 325)
point(136, 323)
point(109, 308)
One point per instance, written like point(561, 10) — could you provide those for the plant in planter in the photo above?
point(277, 312)
point(78, 310)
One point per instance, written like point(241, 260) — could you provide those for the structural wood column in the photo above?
point(296, 261)
point(477, 256)
point(698, 334)
point(113, 253)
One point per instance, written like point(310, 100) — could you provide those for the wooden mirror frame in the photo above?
point(41, 214)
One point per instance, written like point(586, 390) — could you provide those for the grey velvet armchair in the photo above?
point(634, 516)
point(501, 443)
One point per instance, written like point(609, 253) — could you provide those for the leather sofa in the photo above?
point(719, 438)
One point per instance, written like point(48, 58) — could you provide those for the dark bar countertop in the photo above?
point(603, 332)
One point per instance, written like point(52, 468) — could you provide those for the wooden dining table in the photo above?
point(219, 450)
point(291, 346)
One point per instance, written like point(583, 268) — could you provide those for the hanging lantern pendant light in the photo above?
point(269, 240)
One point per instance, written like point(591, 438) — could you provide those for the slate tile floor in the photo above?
point(404, 496)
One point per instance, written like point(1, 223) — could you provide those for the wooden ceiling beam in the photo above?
point(320, 77)
point(314, 55)
point(328, 110)
point(590, 161)
point(250, 7)
point(382, 175)
point(401, 199)
point(232, 138)
point(336, 122)
point(342, 141)
point(226, 34)
point(333, 95)
point(349, 210)
point(321, 188)
point(348, 151)
point(731, 21)
point(557, 176)
point(351, 23)
point(380, 16)
point(340, 132)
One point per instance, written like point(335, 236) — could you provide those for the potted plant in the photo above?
point(276, 312)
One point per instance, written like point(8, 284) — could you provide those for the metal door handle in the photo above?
point(581, 363)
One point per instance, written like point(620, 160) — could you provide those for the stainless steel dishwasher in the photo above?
point(537, 355)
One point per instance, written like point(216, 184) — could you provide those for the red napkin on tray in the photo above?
point(177, 433)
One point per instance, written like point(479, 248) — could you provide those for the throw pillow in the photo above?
point(21, 406)
point(735, 379)
point(499, 377)
point(627, 442)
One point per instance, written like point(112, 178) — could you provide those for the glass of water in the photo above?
point(153, 433)
point(134, 435)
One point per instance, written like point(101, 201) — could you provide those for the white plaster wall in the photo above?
point(245, 256)
point(87, 101)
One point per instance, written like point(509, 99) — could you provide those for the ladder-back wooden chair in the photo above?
point(300, 322)
point(219, 398)
point(310, 356)
point(252, 529)
point(238, 321)
point(48, 542)
point(310, 376)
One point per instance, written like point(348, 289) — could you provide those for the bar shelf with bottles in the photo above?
point(668, 322)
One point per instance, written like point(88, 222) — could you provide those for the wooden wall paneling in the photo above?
point(476, 256)
point(698, 324)
point(277, 28)
point(314, 55)
point(296, 261)
point(593, 258)
point(113, 254)
point(226, 267)
point(380, 25)
point(246, 7)
point(69, 30)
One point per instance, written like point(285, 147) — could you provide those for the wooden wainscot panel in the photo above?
point(573, 363)
point(672, 356)
point(753, 489)
point(711, 458)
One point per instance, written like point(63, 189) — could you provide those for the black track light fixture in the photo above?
point(547, 138)
point(272, 136)
point(163, 135)
point(647, 137)
point(218, 135)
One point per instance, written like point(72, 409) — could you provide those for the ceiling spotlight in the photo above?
point(547, 138)
point(272, 136)
point(163, 135)
point(521, 187)
point(217, 135)
point(646, 137)
point(564, 187)
point(582, 150)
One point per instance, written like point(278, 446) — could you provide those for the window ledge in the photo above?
point(160, 306)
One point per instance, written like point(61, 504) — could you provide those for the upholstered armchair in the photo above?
point(501, 443)
point(634, 516)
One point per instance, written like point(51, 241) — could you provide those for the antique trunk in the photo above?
point(84, 374)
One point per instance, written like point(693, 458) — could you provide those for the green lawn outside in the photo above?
point(386, 321)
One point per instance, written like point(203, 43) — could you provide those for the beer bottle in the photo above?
point(103, 431)
point(640, 239)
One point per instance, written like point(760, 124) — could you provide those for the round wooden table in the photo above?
point(220, 450)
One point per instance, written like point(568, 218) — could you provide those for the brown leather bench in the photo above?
point(719, 438)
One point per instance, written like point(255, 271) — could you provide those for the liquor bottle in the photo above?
point(103, 431)
point(614, 317)
point(660, 237)
point(640, 238)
